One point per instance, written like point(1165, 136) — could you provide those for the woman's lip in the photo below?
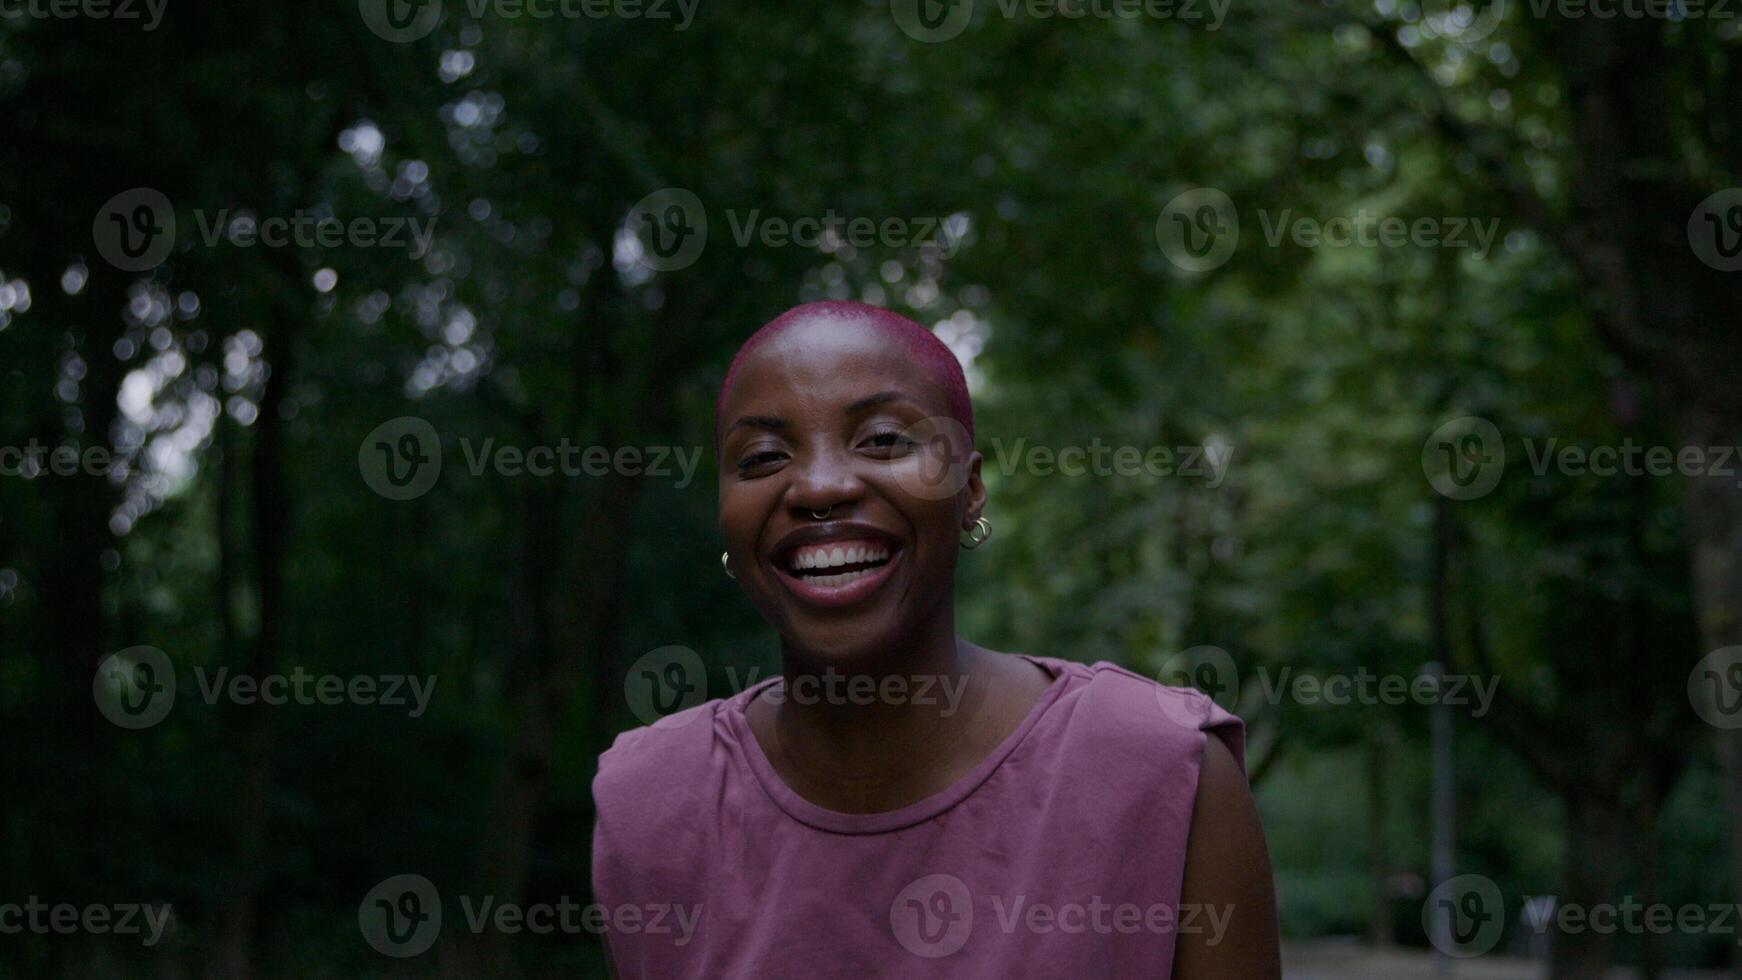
point(834, 597)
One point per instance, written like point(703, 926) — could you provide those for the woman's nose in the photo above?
point(823, 481)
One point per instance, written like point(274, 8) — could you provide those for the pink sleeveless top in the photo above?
point(1059, 855)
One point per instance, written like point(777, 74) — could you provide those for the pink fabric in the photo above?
point(1060, 855)
point(931, 354)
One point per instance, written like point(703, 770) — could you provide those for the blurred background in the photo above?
point(356, 474)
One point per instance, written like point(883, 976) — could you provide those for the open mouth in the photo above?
point(834, 564)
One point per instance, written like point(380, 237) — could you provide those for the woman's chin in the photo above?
point(845, 650)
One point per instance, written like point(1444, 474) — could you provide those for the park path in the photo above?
point(1344, 961)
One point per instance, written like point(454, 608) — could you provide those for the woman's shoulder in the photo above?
point(665, 756)
point(1114, 712)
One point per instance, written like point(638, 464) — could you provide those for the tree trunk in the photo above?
point(1596, 834)
point(1378, 847)
point(269, 534)
point(1714, 523)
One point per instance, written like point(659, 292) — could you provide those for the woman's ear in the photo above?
point(973, 492)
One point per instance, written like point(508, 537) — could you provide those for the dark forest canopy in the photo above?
point(270, 263)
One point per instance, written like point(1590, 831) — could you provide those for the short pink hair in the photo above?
point(930, 354)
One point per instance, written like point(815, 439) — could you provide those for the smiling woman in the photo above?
point(1048, 819)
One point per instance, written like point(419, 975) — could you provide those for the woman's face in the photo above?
point(832, 415)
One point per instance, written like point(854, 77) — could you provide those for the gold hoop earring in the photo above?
point(977, 536)
point(725, 563)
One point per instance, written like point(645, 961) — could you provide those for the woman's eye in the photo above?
point(758, 461)
point(891, 443)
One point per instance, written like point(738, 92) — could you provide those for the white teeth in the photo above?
point(825, 556)
point(835, 581)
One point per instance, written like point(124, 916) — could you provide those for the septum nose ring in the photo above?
point(822, 515)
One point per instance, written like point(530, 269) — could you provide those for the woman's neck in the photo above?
point(868, 737)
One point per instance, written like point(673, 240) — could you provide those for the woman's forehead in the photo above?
point(830, 356)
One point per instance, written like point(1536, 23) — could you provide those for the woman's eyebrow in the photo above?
point(759, 422)
point(872, 401)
